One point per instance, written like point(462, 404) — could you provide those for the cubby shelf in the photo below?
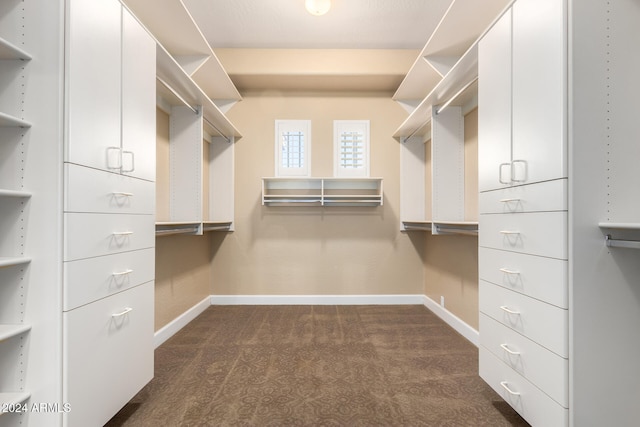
point(10, 331)
point(10, 51)
point(7, 120)
point(322, 191)
point(12, 261)
point(195, 228)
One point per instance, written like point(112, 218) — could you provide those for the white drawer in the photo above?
point(89, 235)
point(534, 405)
point(107, 358)
point(543, 323)
point(538, 277)
point(545, 369)
point(90, 279)
point(93, 190)
point(538, 197)
point(538, 233)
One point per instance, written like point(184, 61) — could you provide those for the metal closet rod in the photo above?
point(618, 243)
point(195, 110)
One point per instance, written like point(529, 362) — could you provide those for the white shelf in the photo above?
point(629, 230)
point(13, 398)
point(170, 228)
point(322, 191)
point(178, 88)
point(464, 22)
point(217, 226)
point(9, 331)
point(457, 88)
point(620, 225)
point(11, 261)
point(455, 227)
point(14, 193)
point(7, 120)
point(10, 51)
point(175, 29)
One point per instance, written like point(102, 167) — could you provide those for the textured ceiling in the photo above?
point(350, 24)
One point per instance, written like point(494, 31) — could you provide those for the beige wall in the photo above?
point(183, 263)
point(451, 262)
point(314, 250)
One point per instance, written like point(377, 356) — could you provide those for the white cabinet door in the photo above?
point(108, 354)
point(494, 98)
point(93, 82)
point(539, 90)
point(138, 100)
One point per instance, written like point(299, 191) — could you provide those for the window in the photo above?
point(351, 148)
point(293, 142)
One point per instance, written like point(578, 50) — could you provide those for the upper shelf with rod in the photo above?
point(462, 24)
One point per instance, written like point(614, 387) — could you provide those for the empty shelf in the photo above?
point(169, 228)
point(7, 120)
point(8, 331)
point(10, 51)
point(216, 225)
point(11, 261)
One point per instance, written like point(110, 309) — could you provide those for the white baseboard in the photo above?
point(316, 299)
point(180, 322)
point(452, 320)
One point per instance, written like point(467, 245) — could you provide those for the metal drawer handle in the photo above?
point(122, 313)
point(122, 193)
point(133, 161)
point(505, 386)
point(508, 310)
point(507, 271)
point(122, 273)
point(509, 200)
point(509, 232)
point(122, 233)
point(508, 350)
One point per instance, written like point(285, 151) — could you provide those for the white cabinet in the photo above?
point(109, 211)
point(522, 73)
point(524, 217)
point(109, 54)
point(93, 82)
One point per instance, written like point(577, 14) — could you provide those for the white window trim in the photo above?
point(340, 126)
point(304, 126)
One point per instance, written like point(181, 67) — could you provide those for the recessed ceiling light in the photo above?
point(317, 7)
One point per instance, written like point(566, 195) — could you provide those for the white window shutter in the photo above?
point(351, 148)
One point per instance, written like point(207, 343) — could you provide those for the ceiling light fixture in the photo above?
point(317, 7)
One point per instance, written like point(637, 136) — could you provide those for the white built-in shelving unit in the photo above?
point(312, 191)
point(195, 91)
point(439, 89)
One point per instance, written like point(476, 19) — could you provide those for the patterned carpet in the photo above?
point(317, 366)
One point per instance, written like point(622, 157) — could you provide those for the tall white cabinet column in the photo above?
point(109, 211)
point(559, 302)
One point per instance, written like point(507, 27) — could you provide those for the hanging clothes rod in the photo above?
point(228, 139)
point(457, 94)
point(618, 243)
point(177, 95)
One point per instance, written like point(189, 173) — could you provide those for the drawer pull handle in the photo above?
point(508, 310)
point(133, 161)
point(509, 200)
point(509, 232)
point(506, 387)
point(502, 181)
point(122, 233)
point(507, 271)
point(122, 273)
point(122, 313)
point(508, 350)
point(122, 193)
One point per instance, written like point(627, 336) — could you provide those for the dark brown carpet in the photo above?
point(317, 366)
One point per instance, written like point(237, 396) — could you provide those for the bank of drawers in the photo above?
point(523, 295)
point(109, 268)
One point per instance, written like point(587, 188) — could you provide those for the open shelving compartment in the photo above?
point(195, 91)
point(439, 90)
point(312, 191)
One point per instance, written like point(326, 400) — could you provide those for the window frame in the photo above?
point(304, 127)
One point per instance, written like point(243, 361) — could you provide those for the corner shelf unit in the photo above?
point(308, 191)
point(463, 23)
point(439, 90)
point(195, 91)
